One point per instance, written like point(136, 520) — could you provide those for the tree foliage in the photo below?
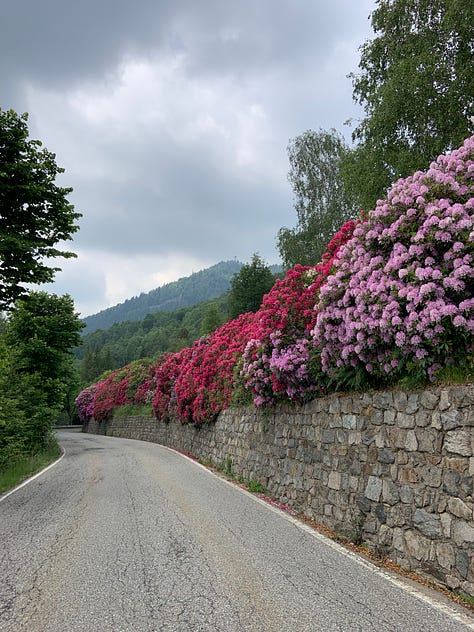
point(416, 84)
point(248, 287)
point(34, 212)
point(322, 202)
point(37, 369)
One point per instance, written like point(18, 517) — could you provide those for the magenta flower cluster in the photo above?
point(401, 290)
point(85, 403)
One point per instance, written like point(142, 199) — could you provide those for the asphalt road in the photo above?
point(126, 535)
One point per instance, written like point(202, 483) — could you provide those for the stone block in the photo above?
point(405, 421)
point(432, 476)
point(380, 513)
point(349, 422)
point(417, 546)
point(406, 494)
point(398, 541)
point(429, 524)
point(398, 437)
point(446, 523)
point(426, 440)
point(451, 419)
point(373, 490)
point(334, 480)
point(445, 555)
point(453, 582)
point(389, 417)
point(462, 532)
point(411, 442)
point(456, 463)
point(444, 400)
point(328, 436)
point(462, 563)
point(354, 437)
point(468, 588)
point(400, 400)
point(385, 455)
point(436, 420)
point(335, 421)
point(424, 418)
point(382, 400)
point(390, 494)
point(429, 400)
point(458, 442)
point(334, 405)
point(364, 504)
point(459, 509)
point(407, 475)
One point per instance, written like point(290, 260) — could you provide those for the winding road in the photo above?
point(124, 535)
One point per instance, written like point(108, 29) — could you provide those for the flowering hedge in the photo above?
point(85, 403)
point(277, 361)
point(132, 384)
point(205, 383)
point(392, 296)
point(401, 297)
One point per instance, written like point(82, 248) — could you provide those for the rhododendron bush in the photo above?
point(277, 361)
point(205, 383)
point(132, 384)
point(85, 403)
point(393, 296)
point(401, 296)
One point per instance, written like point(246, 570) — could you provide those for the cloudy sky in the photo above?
point(171, 119)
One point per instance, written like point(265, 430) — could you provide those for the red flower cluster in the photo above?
point(196, 383)
point(289, 306)
point(128, 385)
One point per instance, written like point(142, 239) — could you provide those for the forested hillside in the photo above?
point(122, 343)
point(197, 288)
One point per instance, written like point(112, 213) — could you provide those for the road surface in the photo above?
point(124, 535)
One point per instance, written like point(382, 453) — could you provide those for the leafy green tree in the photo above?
point(34, 212)
point(41, 332)
point(416, 84)
point(13, 431)
point(322, 202)
point(212, 319)
point(248, 287)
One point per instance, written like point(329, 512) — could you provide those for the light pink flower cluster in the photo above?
point(402, 288)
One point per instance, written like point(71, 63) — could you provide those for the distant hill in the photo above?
point(196, 288)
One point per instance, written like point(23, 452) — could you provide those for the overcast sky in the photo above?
point(171, 119)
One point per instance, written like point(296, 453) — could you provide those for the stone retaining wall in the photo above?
point(393, 468)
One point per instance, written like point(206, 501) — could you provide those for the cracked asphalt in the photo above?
point(124, 535)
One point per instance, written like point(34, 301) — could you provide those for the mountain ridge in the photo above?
point(198, 287)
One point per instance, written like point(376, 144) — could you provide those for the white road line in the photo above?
point(32, 478)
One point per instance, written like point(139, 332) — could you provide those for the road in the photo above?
point(124, 535)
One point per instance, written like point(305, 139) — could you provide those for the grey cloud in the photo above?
point(187, 154)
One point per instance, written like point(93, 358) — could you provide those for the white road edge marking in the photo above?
point(32, 478)
point(446, 609)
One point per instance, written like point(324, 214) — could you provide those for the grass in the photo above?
point(466, 599)
point(20, 469)
point(131, 410)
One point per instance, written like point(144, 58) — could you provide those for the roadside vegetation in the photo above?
point(23, 467)
point(37, 330)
